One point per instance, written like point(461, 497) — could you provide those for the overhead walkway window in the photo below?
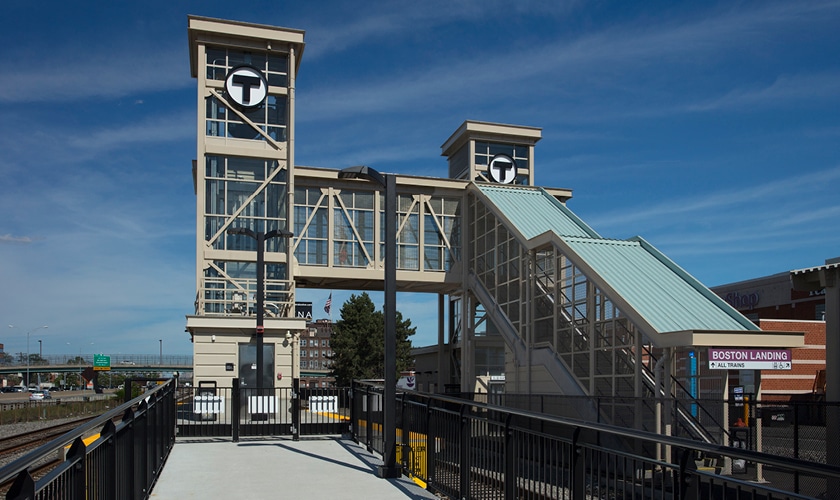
point(312, 225)
point(353, 229)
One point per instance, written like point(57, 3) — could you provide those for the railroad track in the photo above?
point(21, 443)
point(14, 447)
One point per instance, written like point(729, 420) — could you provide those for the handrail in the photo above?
point(512, 445)
point(144, 403)
point(627, 432)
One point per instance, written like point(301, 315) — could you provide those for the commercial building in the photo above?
point(774, 303)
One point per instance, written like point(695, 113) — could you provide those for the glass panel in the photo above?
point(214, 166)
point(276, 110)
point(276, 201)
point(215, 56)
point(246, 168)
point(242, 131)
point(278, 63)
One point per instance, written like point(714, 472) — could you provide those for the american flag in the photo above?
point(328, 305)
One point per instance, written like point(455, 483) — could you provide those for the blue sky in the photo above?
point(710, 129)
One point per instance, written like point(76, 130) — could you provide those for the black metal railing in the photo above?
point(123, 461)
point(466, 449)
point(282, 411)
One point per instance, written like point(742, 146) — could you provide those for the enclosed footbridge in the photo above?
point(578, 314)
point(584, 315)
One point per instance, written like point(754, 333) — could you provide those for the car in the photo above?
point(37, 396)
point(17, 388)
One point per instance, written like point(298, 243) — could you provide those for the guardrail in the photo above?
point(468, 449)
point(124, 461)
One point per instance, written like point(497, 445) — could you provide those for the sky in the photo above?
point(711, 129)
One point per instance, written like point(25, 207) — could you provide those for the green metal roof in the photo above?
point(667, 297)
point(533, 211)
point(658, 290)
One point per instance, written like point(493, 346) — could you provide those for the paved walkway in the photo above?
point(327, 468)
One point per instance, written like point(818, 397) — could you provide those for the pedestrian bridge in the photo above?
point(576, 313)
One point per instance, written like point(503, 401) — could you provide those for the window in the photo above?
point(274, 65)
point(355, 216)
point(303, 343)
point(270, 117)
point(311, 223)
point(232, 186)
point(408, 239)
point(520, 153)
point(441, 229)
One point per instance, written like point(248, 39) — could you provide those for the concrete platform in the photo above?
point(315, 468)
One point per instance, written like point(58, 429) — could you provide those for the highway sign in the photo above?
point(101, 362)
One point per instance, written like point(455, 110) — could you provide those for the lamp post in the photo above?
point(161, 352)
point(389, 468)
point(27, 350)
point(261, 237)
point(40, 359)
point(292, 340)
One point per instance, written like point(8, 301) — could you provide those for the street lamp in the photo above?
point(27, 351)
point(261, 237)
point(40, 359)
point(389, 425)
point(161, 352)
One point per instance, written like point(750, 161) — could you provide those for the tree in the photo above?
point(358, 342)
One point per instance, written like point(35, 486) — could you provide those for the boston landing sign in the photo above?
point(749, 359)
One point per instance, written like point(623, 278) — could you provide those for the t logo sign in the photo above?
point(246, 86)
point(502, 169)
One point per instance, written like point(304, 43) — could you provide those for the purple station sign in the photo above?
point(749, 359)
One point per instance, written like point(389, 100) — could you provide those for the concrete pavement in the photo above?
point(312, 468)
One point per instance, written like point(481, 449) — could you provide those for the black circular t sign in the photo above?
point(502, 169)
point(247, 86)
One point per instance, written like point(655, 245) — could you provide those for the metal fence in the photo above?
point(467, 449)
point(235, 411)
point(123, 462)
point(794, 429)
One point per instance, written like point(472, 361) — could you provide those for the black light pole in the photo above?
point(389, 467)
point(261, 238)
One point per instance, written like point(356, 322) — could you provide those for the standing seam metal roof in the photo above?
point(533, 211)
point(664, 295)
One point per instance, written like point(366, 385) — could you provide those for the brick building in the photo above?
point(314, 355)
point(774, 305)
